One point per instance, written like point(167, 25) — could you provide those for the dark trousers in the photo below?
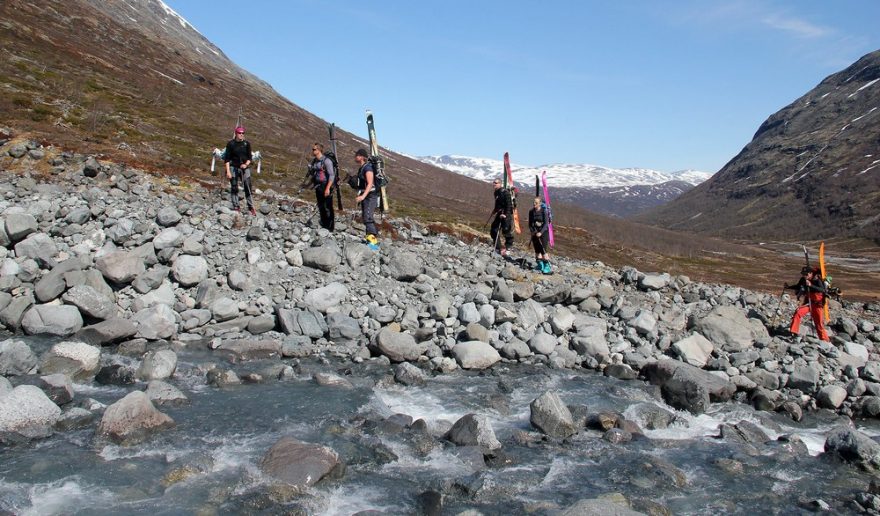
point(505, 226)
point(368, 207)
point(540, 243)
point(245, 177)
point(325, 208)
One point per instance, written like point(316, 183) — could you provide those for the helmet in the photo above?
point(239, 129)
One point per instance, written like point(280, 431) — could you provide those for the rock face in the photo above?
point(475, 354)
point(473, 430)
point(300, 465)
point(132, 419)
point(551, 416)
point(28, 412)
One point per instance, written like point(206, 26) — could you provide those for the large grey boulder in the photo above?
point(20, 225)
point(120, 267)
point(542, 343)
point(650, 282)
point(151, 279)
point(644, 322)
point(107, 332)
point(12, 315)
point(90, 302)
point(473, 430)
point(132, 419)
point(59, 320)
point(167, 238)
point(79, 215)
point(224, 309)
point(157, 365)
point(399, 347)
point(324, 258)
point(251, 349)
point(342, 328)
point(695, 350)
point(325, 298)
point(16, 358)
point(38, 246)
point(357, 254)
point(78, 360)
point(727, 327)
point(550, 415)
point(168, 216)
point(854, 447)
point(156, 322)
point(404, 265)
point(687, 387)
point(52, 284)
point(299, 465)
point(163, 393)
point(561, 320)
point(190, 270)
point(806, 378)
point(164, 295)
point(475, 354)
point(831, 396)
point(27, 412)
point(530, 313)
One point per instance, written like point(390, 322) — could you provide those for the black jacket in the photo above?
point(503, 202)
point(538, 221)
point(237, 152)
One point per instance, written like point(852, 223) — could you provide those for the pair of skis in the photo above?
point(540, 186)
point(375, 159)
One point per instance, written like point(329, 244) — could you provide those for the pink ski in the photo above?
point(547, 203)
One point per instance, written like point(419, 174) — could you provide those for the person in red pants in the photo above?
point(812, 288)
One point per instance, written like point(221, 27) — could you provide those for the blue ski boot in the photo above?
point(545, 269)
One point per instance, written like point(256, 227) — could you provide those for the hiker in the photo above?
point(812, 288)
point(323, 177)
point(238, 160)
point(539, 227)
point(503, 222)
point(367, 196)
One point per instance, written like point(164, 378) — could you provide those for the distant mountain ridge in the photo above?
point(811, 171)
point(618, 192)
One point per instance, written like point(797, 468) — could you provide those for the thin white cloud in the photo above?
point(795, 26)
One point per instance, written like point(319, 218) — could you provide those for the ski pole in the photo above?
point(490, 218)
point(778, 306)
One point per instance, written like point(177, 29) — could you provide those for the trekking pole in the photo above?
point(490, 218)
point(775, 320)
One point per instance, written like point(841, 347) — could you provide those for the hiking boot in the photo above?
point(253, 211)
point(546, 268)
point(371, 239)
point(539, 266)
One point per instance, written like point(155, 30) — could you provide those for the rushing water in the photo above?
point(209, 463)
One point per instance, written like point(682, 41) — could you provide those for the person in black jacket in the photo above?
point(367, 197)
point(238, 160)
point(323, 178)
point(503, 222)
point(812, 288)
point(538, 226)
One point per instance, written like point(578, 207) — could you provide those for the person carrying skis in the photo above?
point(367, 196)
point(812, 288)
point(323, 178)
point(503, 223)
point(538, 226)
point(238, 159)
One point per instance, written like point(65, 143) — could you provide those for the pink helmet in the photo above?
point(239, 130)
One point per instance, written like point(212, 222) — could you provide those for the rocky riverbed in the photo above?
point(164, 351)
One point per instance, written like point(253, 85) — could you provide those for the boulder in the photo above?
point(551, 416)
point(251, 349)
point(299, 465)
point(58, 320)
point(805, 378)
point(695, 350)
point(650, 282)
point(168, 238)
point(324, 258)
point(132, 420)
point(473, 430)
point(157, 365)
point(727, 327)
point(16, 358)
point(530, 313)
point(542, 343)
point(27, 412)
point(831, 396)
point(168, 216)
point(107, 332)
point(686, 387)
point(20, 225)
point(854, 447)
point(120, 267)
point(475, 354)
point(163, 393)
point(224, 309)
point(90, 302)
point(399, 347)
point(156, 322)
point(404, 265)
point(38, 246)
point(190, 270)
point(78, 360)
point(325, 298)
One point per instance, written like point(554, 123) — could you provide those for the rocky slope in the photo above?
point(811, 171)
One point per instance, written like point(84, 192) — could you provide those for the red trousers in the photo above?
point(815, 311)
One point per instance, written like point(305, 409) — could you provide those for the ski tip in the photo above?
point(369, 113)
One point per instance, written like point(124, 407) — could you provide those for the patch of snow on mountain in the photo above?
point(563, 175)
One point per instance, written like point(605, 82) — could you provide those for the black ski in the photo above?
point(332, 129)
point(378, 164)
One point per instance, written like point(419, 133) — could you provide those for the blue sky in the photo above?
point(666, 85)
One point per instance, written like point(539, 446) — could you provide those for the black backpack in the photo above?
point(320, 174)
point(379, 176)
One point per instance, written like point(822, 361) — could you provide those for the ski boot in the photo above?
point(372, 242)
point(539, 266)
point(545, 268)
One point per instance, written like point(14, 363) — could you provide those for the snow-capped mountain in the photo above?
point(592, 177)
point(620, 192)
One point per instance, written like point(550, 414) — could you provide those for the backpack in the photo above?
point(546, 208)
point(320, 174)
point(379, 176)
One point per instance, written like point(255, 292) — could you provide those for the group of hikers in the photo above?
point(811, 290)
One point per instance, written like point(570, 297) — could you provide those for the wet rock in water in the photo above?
point(475, 354)
point(58, 387)
point(107, 332)
point(58, 320)
point(430, 503)
point(617, 436)
point(222, 378)
point(730, 466)
point(473, 430)
point(603, 421)
point(16, 358)
point(399, 347)
point(743, 432)
point(115, 374)
point(551, 416)
point(78, 360)
point(611, 506)
point(26, 412)
point(163, 393)
point(299, 465)
point(75, 417)
point(654, 417)
point(408, 374)
point(792, 410)
point(250, 349)
point(620, 371)
point(331, 380)
point(132, 420)
point(854, 447)
point(687, 387)
point(158, 365)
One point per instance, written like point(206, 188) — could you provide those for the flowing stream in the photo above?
point(209, 463)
